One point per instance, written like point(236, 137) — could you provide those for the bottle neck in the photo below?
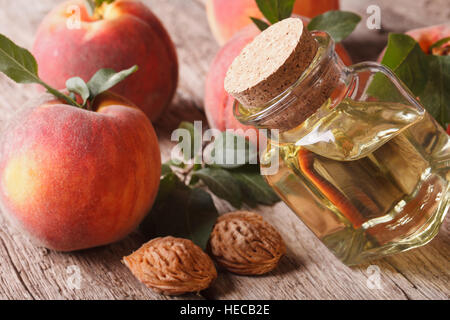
point(326, 82)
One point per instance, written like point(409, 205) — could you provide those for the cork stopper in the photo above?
point(271, 63)
point(274, 62)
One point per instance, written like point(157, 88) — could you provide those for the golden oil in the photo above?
point(379, 187)
point(360, 161)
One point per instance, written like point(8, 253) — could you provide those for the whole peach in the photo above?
point(126, 34)
point(74, 179)
point(227, 17)
point(218, 104)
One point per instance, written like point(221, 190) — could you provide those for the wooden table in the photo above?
point(309, 271)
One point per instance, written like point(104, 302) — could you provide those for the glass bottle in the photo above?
point(368, 172)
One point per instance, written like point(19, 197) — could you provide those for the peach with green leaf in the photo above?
point(114, 34)
point(78, 168)
point(227, 17)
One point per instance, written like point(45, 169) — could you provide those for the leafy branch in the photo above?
point(20, 65)
point(427, 76)
point(101, 81)
point(338, 24)
point(183, 206)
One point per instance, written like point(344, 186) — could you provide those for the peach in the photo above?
point(227, 17)
point(74, 179)
point(218, 104)
point(126, 34)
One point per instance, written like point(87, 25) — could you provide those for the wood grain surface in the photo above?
point(309, 271)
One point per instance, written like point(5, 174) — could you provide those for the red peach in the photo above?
point(74, 179)
point(227, 17)
point(127, 34)
point(218, 104)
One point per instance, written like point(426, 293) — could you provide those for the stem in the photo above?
point(60, 95)
point(94, 7)
point(439, 44)
point(187, 172)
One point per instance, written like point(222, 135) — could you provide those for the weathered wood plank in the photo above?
point(426, 269)
point(309, 271)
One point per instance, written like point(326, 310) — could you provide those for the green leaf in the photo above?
point(201, 216)
point(196, 167)
point(98, 3)
point(177, 164)
point(222, 184)
point(405, 58)
point(436, 94)
point(165, 169)
point(254, 186)
point(427, 76)
point(285, 8)
point(167, 185)
point(262, 25)
point(188, 126)
point(194, 180)
point(20, 65)
point(338, 24)
point(273, 11)
point(78, 86)
point(181, 212)
point(269, 9)
point(61, 96)
point(105, 79)
point(439, 43)
point(17, 63)
point(232, 151)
